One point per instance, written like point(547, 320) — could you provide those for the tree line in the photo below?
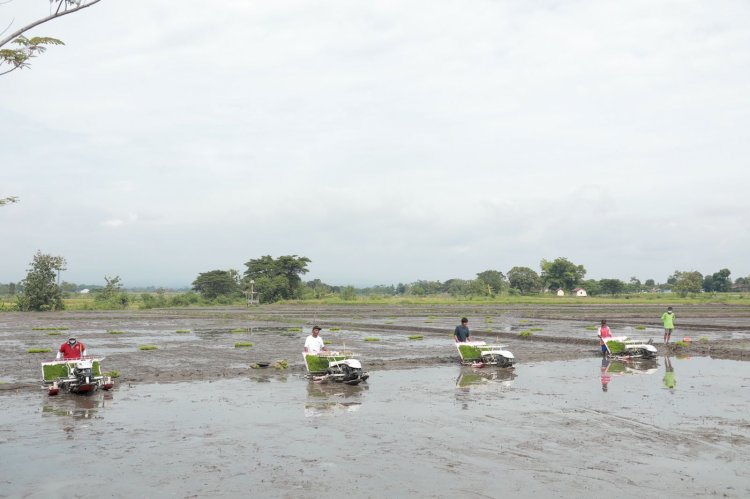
point(276, 279)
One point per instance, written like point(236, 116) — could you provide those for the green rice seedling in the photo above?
point(334, 329)
point(116, 332)
point(416, 337)
point(53, 333)
point(113, 374)
point(39, 350)
point(370, 338)
point(242, 344)
point(428, 321)
point(524, 320)
point(294, 329)
point(52, 328)
point(238, 330)
point(148, 347)
point(525, 334)
point(182, 331)
point(682, 344)
point(388, 322)
point(591, 328)
point(615, 347)
point(280, 364)
point(488, 330)
point(640, 328)
point(488, 320)
point(703, 339)
point(536, 329)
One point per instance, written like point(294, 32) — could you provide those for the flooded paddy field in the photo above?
point(543, 429)
point(199, 344)
point(192, 419)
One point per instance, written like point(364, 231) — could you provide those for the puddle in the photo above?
point(540, 430)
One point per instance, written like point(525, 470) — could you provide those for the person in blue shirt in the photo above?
point(462, 333)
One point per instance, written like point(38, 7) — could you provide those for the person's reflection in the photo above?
point(605, 378)
point(669, 379)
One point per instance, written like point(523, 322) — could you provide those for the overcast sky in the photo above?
point(386, 141)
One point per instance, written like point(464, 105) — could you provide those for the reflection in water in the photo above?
point(606, 377)
point(669, 379)
point(76, 406)
point(471, 377)
point(328, 398)
point(621, 367)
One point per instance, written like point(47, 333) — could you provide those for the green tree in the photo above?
point(634, 286)
point(650, 283)
point(688, 282)
point(718, 281)
point(216, 283)
point(277, 279)
point(26, 48)
point(611, 286)
point(591, 286)
point(318, 288)
point(493, 280)
point(456, 287)
point(561, 273)
point(40, 290)
point(111, 295)
point(348, 293)
point(524, 279)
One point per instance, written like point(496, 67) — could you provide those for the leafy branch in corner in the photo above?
point(26, 48)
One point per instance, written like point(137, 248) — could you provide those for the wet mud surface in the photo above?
point(544, 429)
point(192, 419)
point(207, 351)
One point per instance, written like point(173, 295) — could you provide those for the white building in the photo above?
point(579, 292)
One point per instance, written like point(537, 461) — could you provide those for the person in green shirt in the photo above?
point(667, 318)
point(669, 380)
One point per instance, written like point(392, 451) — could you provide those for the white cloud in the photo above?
point(386, 141)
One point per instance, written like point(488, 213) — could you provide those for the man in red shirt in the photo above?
point(71, 350)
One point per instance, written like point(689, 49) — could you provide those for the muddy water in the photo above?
point(546, 429)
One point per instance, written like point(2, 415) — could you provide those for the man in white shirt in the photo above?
point(314, 343)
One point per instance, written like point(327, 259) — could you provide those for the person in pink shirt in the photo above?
point(604, 332)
